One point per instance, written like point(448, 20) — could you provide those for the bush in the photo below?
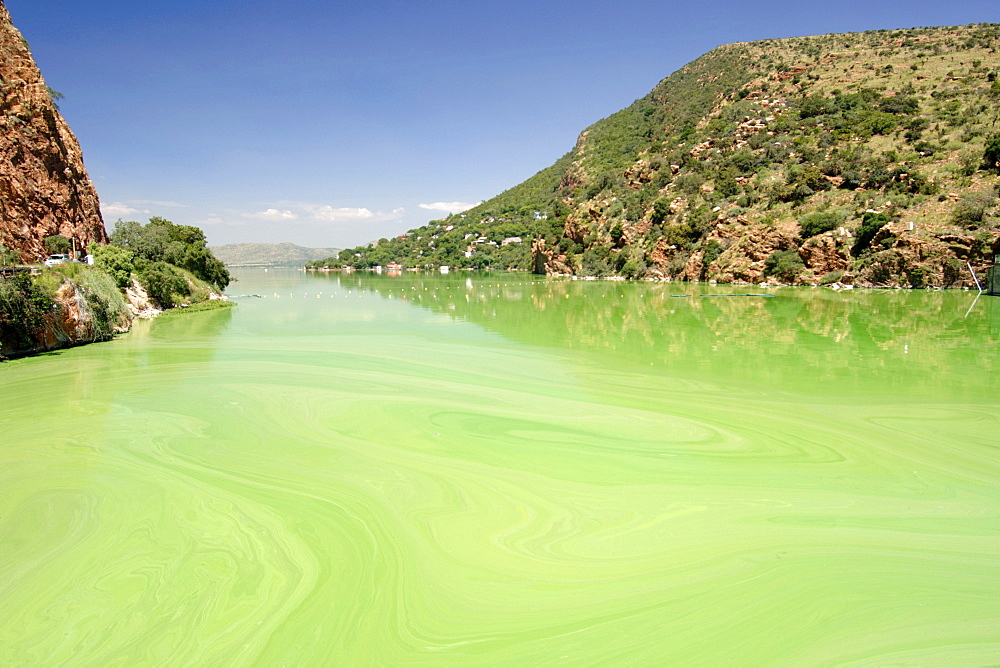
point(991, 156)
point(819, 222)
point(104, 301)
point(831, 277)
point(162, 282)
point(784, 265)
point(633, 267)
point(114, 260)
point(617, 234)
point(871, 223)
point(594, 262)
point(971, 209)
point(23, 307)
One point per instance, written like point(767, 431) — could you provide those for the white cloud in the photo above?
point(118, 209)
point(342, 213)
point(329, 213)
point(449, 207)
point(274, 214)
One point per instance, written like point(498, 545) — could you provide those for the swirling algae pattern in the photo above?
point(335, 475)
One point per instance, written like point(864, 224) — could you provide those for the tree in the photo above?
point(114, 260)
point(180, 245)
point(57, 243)
point(8, 257)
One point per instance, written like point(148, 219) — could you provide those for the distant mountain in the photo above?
point(867, 158)
point(269, 255)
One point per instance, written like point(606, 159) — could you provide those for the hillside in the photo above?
point(44, 187)
point(867, 159)
point(269, 255)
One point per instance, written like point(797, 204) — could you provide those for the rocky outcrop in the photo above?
point(44, 187)
point(548, 260)
point(941, 260)
point(138, 302)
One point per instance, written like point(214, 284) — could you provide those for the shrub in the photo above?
point(594, 262)
point(819, 222)
point(871, 223)
point(919, 277)
point(711, 250)
point(784, 265)
point(689, 183)
point(633, 267)
point(971, 209)
point(162, 281)
point(104, 300)
point(617, 234)
point(815, 105)
point(991, 156)
point(116, 261)
point(831, 277)
point(23, 306)
point(661, 211)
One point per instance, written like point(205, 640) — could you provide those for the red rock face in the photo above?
point(44, 187)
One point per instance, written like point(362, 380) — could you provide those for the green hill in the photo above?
point(866, 158)
point(269, 255)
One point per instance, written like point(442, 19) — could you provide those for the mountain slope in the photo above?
point(864, 158)
point(44, 187)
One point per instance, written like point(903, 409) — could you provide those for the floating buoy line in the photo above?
point(478, 291)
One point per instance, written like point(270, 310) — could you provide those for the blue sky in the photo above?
point(332, 124)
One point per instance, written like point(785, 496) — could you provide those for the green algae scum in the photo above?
point(505, 470)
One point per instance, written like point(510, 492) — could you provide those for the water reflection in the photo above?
point(817, 340)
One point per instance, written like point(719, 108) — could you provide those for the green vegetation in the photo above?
point(208, 305)
point(784, 265)
point(871, 223)
point(991, 154)
point(23, 307)
point(30, 306)
point(781, 140)
point(74, 302)
point(819, 222)
point(55, 96)
point(171, 262)
point(57, 243)
point(182, 246)
point(8, 257)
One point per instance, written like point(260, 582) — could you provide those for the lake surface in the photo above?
point(510, 470)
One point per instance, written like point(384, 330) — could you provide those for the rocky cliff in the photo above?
point(44, 187)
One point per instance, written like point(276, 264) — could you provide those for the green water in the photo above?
point(505, 470)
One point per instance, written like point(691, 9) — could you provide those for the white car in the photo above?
point(58, 258)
